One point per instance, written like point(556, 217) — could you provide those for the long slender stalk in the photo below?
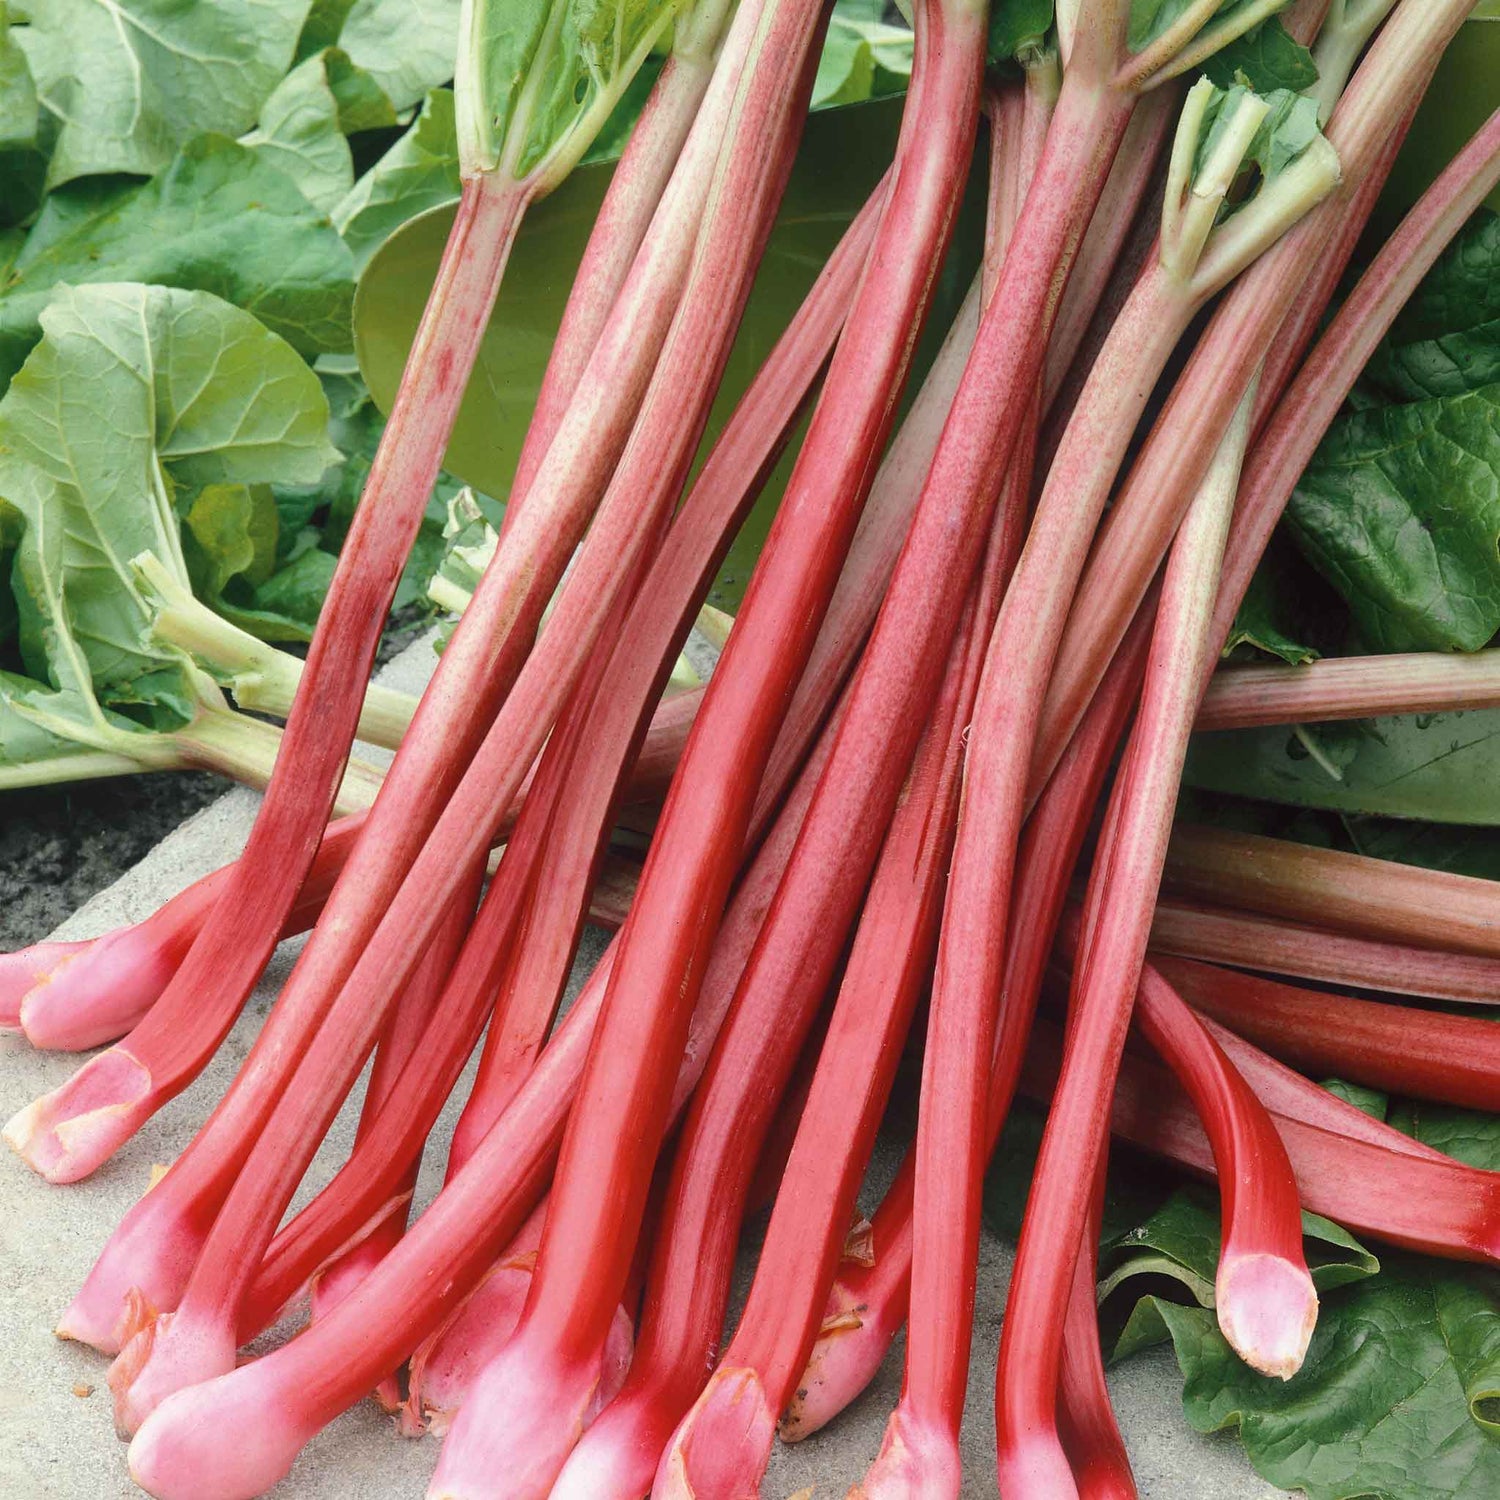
point(115, 1093)
point(1303, 952)
point(579, 1271)
point(96, 991)
point(1263, 1295)
point(1350, 687)
point(1398, 1048)
point(1122, 893)
point(631, 671)
point(1351, 893)
point(1149, 509)
point(761, 135)
point(301, 1387)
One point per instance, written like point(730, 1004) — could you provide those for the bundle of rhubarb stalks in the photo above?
point(923, 808)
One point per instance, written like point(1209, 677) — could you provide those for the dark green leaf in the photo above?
point(1150, 19)
point(219, 220)
point(1465, 1134)
point(23, 150)
point(1400, 511)
point(1273, 617)
point(1397, 1398)
point(1266, 57)
point(1368, 1101)
point(321, 28)
point(1446, 339)
point(1435, 846)
point(362, 103)
point(419, 172)
point(1018, 26)
point(1441, 768)
point(406, 46)
point(130, 81)
point(289, 601)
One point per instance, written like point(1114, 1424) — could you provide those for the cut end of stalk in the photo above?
point(445, 1368)
point(917, 1461)
point(848, 1352)
point(222, 1440)
point(23, 973)
point(723, 1445)
point(1267, 1308)
point(1035, 1465)
point(167, 1356)
point(96, 993)
point(67, 1134)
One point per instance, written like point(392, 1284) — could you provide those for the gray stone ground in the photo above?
point(56, 1439)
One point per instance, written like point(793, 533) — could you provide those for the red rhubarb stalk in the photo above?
point(101, 988)
point(1193, 262)
point(1353, 893)
point(1303, 952)
point(67, 1133)
point(882, 981)
point(298, 1389)
point(1162, 481)
point(1398, 1048)
point(1263, 1295)
point(496, 1445)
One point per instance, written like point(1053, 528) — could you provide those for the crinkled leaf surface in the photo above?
point(218, 219)
point(419, 172)
point(135, 394)
point(1397, 1400)
point(131, 80)
point(1266, 57)
point(1446, 340)
point(1400, 510)
point(863, 56)
point(407, 46)
point(300, 132)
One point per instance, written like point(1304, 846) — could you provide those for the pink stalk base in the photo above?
point(730, 1416)
point(1267, 1309)
point(23, 973)
point(917, 1461)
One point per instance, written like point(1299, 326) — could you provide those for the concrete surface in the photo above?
point(56, 1437)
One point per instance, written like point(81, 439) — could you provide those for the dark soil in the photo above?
point(61, 845)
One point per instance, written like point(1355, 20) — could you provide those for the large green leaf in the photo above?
point(219, 219)
point(407, 46)
point(1398, 1397)
point(419, 172)
point(131, 80)
point(134, 395)
point(1266, 57)
point(1446, 340)
point(1440, 767)
point(301, 127)
point(1400, 510)
point(23, 157)
point(844, 152)
point(1018, 26)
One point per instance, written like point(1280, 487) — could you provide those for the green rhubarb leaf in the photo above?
point(304, 123)
point(1400, 511)
point(1266, 57)
point(1152, 19)
point(325, 19)
point(1271, 616)
point(538, 78)
point(419, 172)
point(23, 146)
point(1441, 768)
point(230, 531)
point(1367, 1101)
point(218, 219)
point(1446, 340)
point(1018, 27)
point(1398, 1397)
point(407, 46)
point(135, 394)
point(1464, 1134)
point(1289, 128)
point(131, 80)
point(864, 57)
point(1435, 846)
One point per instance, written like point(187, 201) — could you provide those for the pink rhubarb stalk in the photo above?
point(1302, 952)
point(1162, 481)
point(1352, 893)
point(496, 1445)
point(1400, 1049)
